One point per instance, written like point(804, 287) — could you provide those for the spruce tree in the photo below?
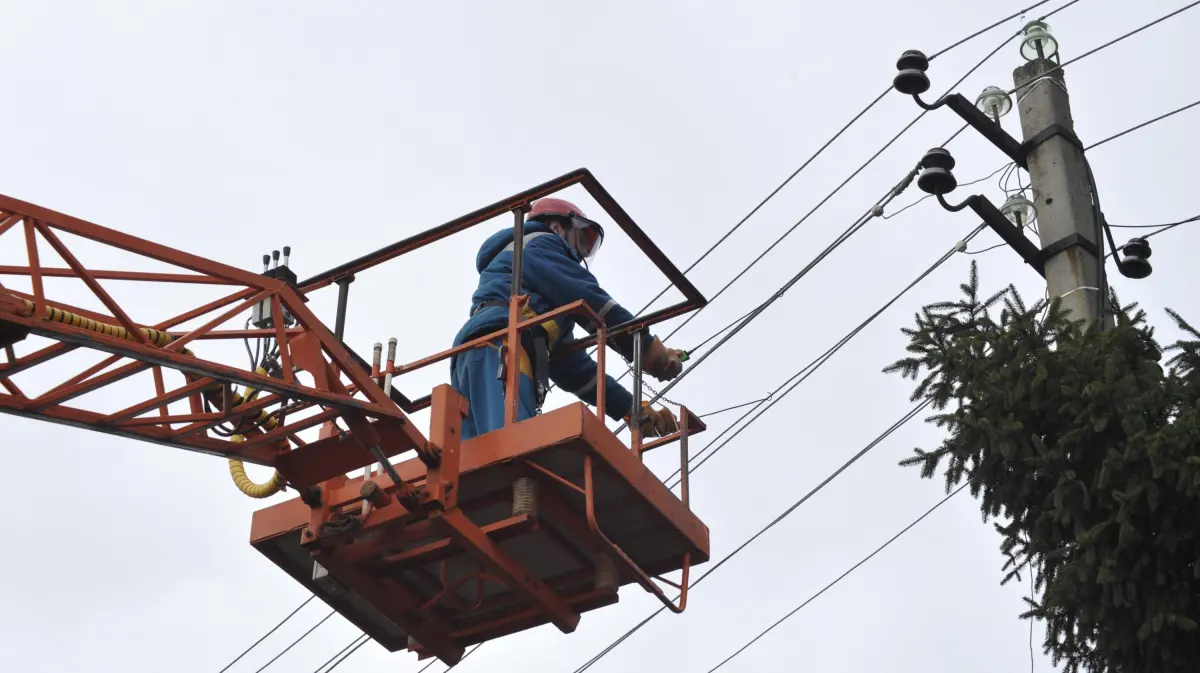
point(1083, 451)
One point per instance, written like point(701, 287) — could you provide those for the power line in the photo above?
point(843, 576)
point(363, 641)
point(464, 658)
point(359, 640)
point(981, 31)
point(874, 211)
point(1159, 227)
point(771, 195)
point(268, 633)
point(829, 142)
point(842, 238)
point(808, 370)
point(833, 193)
point(1106, 45)
point(912, 413)
point(1155, 226)
point(848, 179)
point(1172, 226)
point(1143, 125)
point(296, 641)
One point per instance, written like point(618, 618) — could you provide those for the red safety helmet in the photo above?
point(584, 235)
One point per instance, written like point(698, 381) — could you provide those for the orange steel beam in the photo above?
point(337, 399)
point(60, 272)
point(485, 550)
point(140, 246)
point(92, 284)
point(147, 356)
point(8, 222)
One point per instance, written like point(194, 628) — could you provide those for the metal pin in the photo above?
point(266, 263)
point(287, 252)
point(391, 367)
point(275, 258)
point(376, 356)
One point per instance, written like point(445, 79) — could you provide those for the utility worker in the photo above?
point(559, 241)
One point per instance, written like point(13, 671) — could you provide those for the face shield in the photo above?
point(586, 237)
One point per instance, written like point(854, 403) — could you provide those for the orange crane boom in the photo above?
point(463, 542)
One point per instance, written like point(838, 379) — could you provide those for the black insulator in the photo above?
point(913, 59)
point(936, 181)
point(911, 80)
point(938, 157)
point(1138, 247)
point(1136, 261)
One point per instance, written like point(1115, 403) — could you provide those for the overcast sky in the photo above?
point(228, 128)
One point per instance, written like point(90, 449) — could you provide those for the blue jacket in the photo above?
point(552, 276)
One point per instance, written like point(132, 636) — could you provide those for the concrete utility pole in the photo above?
point(1067, 225)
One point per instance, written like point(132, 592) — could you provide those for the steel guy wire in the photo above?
point(837, 189)
point(799, 377)
point(268, 633)
point(912, 413)
point(841, 577)
point(1104, 46)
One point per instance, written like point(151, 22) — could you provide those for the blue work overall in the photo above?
point(553, 276)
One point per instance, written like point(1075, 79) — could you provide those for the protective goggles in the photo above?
point(587, 237)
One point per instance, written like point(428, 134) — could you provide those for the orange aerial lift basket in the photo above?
point(460, 543)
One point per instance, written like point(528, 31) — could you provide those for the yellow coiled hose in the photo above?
point(237, 469)
point(159, 338)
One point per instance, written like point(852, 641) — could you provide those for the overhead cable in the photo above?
point(808, 370)
point(841, 577)
point(830, 141)
point(353, 645)
point(1108, 44)
point(837, 189)
point(912, 413)
point(268, 633)
point(295, 642)
point(818, 153)
point(362, 641)
point(464, 658)
point(1143, 125)
point(842, 238)
point(1164, 227)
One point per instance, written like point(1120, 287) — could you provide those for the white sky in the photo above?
point(228, 128)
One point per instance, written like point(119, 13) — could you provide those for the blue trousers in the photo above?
point(474, 376)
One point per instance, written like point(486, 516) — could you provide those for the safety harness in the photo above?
point(538, 340)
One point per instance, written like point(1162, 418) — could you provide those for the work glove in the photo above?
point(658, 423)
point(661, 362)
